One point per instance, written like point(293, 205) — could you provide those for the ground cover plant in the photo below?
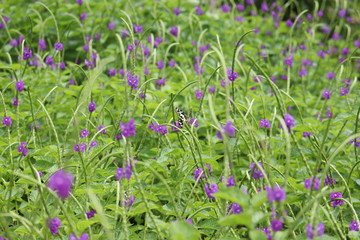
point(179, 119)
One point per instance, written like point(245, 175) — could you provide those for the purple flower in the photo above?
point(172, 63)
point(84, 236)
point(198, 10)
point(20, 85)
point(344, 91)
point(226, 8)
point(90, 214)
point(255, 172)
point(239, 19)
point(93, 144)
point(97, 36)
point(289, 60)
point(83, 16)
point(125, 33)
point(92, 106)
point(320, 13)
point(329, 180)
point(128, 129)
point(330, 75)
point(240, 7)
point(336, 202)
point(53, 225)
point(174, 31)
point(289, 121)
point(234, 208)
point(15, 101)
point(61, 182)
point(228, 129)
point(133, 81)
point(307, 134)
point(84, 133)
point(79, 2)
point(6, 121)
point(289, 23)
point(354, 226)
point(313, 183)
point(13, 42)
point(232, 76)
point(302, 72)
point(58, 46)
point(345, 51)
point(40, 173)
point(49, 60)
point(212, 89)
point(138, 28)
point(357, 43)
point(320, 229)
point(194, 122)
point(309, 231)
point(22, 149)
point(158, 128)
point(276, 194)
point(230, 181)
point(111, 72)
point(198, 94)
point(276, 225)
point(342, 13)
point(80, 147)
point(27, 53)
point(264, 7)
point(264, 123)
point(210, 189)
point(161, 82)
point(160, 64)
point(205, 47)
point(198, 174)
point(123, 173)
point(326, 94)
point(177, 11)
point(102, 129)
point(111, 25)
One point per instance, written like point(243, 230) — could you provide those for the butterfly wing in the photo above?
point(181, 117)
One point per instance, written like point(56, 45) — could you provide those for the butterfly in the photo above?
point(181, 117)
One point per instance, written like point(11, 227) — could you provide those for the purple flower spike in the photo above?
point(6, 121)
point(255, 172)
point(276, 225)
point(336, 202)
point(264, 123)
point(61, 182)
point(210, 189)
point(276, 194)
point(58, 46)
point(53, 225)
point(128, 129)
point(20, 85)
point(354, 226)
point(92, 106)
point(326, 94)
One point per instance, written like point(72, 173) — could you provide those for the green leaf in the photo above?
point(83, 224)
point(183, 231)
point(257, 235)
point(233, 194)
point(244, 218)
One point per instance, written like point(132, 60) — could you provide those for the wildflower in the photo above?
point(6, 121)
point(15, 102)
point(264, 123)
point(177, 11)
point(234, 208)
point(276, 225)
point(344, 91)
point(133, 81)
point(240, 7)
point(289, 23)
point(255, 172)
point(329, 180)
point(230, 181)
point(174, 31)
point(302, 72)
point(267, 232)
point(239, 19)
point(58, 46)
point(310, 232)
point(205, 47)
point(210, 189)
point(13, 42)
point(226, 8)
point(90, 214)
point(71, 82)
point(158, 128)
point(22, 149)
point(321, 53)
point(199, 94)
point(128, 129)
point(61, 182)
point(125, 33)
point(128, 201)
point(189, 221)
point(138, 28)
point(198, 10)
point(97, 36)
point(342, 13)
point(111, 25)
point(276, 194)
point(336, 202)
point(160, 64)
point(93, 144)
point(88, 64)
point(212, 89)
point(326, 94)
point(172, 63)
point(84, 133)
point(228, 129)
point(102, 129)
point(232, 76)
point(264, 7)
point(313, 183)
point(123, 173)
point(307, 134)
point(111, 72)
point(357, 43)
point(79, 2)
point(80, 147)
point(161, 82)
point(194, 122)
point(92, 106)
point(27, 53)
point(330, 75)
point(83, 16)
point(354, 226)
point(289, 60)
point(197, 68)
point(84, 236)
point(53, 225)
point(320, 13)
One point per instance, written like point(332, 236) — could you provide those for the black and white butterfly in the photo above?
point(182, 118)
